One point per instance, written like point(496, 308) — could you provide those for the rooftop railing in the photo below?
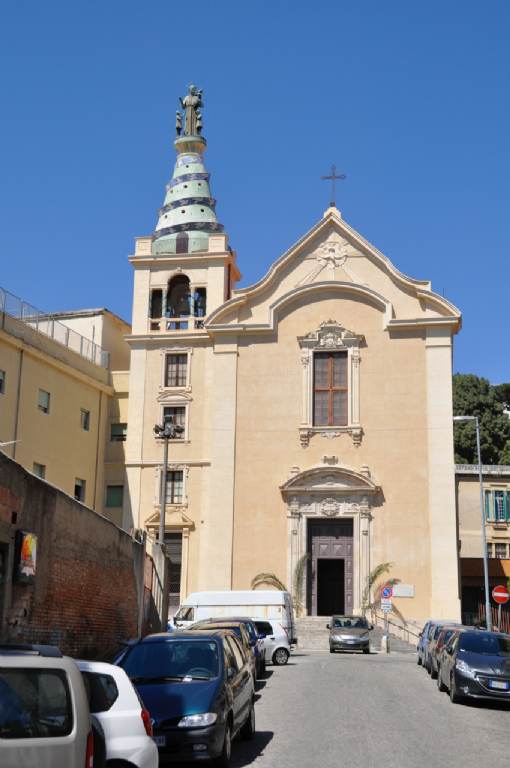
point(45, 323)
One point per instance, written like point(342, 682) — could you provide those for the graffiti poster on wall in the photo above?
point(27, 556)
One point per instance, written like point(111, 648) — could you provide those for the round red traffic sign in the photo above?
point(387, 591)
point(500, 595)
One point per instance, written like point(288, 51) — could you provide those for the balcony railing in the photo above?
point(44, 323)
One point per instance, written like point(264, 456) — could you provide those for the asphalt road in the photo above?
point(375, 711)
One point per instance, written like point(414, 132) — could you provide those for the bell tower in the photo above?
point(186, 268)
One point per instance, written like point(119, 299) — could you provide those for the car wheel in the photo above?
point(418, 660)
point(223, 761)
point(331, 649)
point(366, 650)
point(248, 729)
point(280, 657)
point(454, 696)
point(440, 685)
point(433, 672)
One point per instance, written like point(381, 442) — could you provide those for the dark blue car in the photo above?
point(199, 690)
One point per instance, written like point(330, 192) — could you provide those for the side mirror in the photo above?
point(230, 673)
point(262, 635)
point(327, 626)
point(370, 626)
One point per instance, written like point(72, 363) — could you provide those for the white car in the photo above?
point(44, 713)
point(125, 722)
point(275, 640)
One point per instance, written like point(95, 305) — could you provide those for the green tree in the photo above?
point(475, 396)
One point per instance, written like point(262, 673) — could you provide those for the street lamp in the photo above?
point(166, 431)
point(488, 613)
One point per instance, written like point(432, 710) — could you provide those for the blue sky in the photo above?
point(410, 100)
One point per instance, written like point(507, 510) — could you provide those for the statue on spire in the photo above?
point(191, 104)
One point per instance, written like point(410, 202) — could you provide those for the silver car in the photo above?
point(349, 633)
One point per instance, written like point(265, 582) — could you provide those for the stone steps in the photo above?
point(313, 636)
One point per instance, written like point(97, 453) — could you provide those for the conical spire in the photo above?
point(188, 214)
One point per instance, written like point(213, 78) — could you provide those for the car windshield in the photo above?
point(174, 659)
point(354, 622)
point(489, 645)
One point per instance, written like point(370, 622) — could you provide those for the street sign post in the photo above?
point(386, 606)
point(500, 595)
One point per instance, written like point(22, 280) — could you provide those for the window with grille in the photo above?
point(497, 506)
point(176, 370)
point(2, 382)
point(174, 487)
point(330, 395)
point(500, 551)
point(490, 551)
point(177, 415)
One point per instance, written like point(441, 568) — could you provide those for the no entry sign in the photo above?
point(500, 595)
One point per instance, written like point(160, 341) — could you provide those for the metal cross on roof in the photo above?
point(333, 178)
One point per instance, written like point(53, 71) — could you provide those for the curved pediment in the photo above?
point(332, 257)
point(327, 479)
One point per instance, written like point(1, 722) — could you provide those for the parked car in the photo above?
point(125, 723)
point(423, 640)
point(476, 664)
point(276, 646)
point(199, 690)
point(255, 641)
point(440, 635)
point(433, 625)
point(239, 629)
point(349, 633)
point(267, 604)
point(44, 712)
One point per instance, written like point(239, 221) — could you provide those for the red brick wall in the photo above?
point(85, 596)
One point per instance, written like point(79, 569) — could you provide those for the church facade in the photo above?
point(315, 407)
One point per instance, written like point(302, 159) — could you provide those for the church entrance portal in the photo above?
point(330, 569)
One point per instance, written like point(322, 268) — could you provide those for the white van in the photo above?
point(260, 603)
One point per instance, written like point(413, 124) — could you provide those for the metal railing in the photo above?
point(45, 323)
point(400, 630)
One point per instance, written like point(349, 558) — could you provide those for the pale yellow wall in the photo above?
point(115, 452)
point(55, 440)
point(104, 329)
point(394, 445)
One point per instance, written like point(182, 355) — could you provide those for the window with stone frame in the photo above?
point(330, 389)
point(330, 359)
point(174, 486)
point(177, 415)
point(176, 369)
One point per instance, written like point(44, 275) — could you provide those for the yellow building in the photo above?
point(58, 402)
point(316, 408)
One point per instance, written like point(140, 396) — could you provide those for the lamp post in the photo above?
point(166, 431)
point(488, 613)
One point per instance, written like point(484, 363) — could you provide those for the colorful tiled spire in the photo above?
point(188, 214)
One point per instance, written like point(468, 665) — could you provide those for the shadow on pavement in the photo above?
point(245, 752)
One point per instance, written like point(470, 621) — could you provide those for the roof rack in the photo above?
point(50, 651)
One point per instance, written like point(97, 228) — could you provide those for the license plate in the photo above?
point(352, 642)
point(160, 741)
point(501, 685)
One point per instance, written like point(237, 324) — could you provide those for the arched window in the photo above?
point(181, 243)
point(178, 297)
